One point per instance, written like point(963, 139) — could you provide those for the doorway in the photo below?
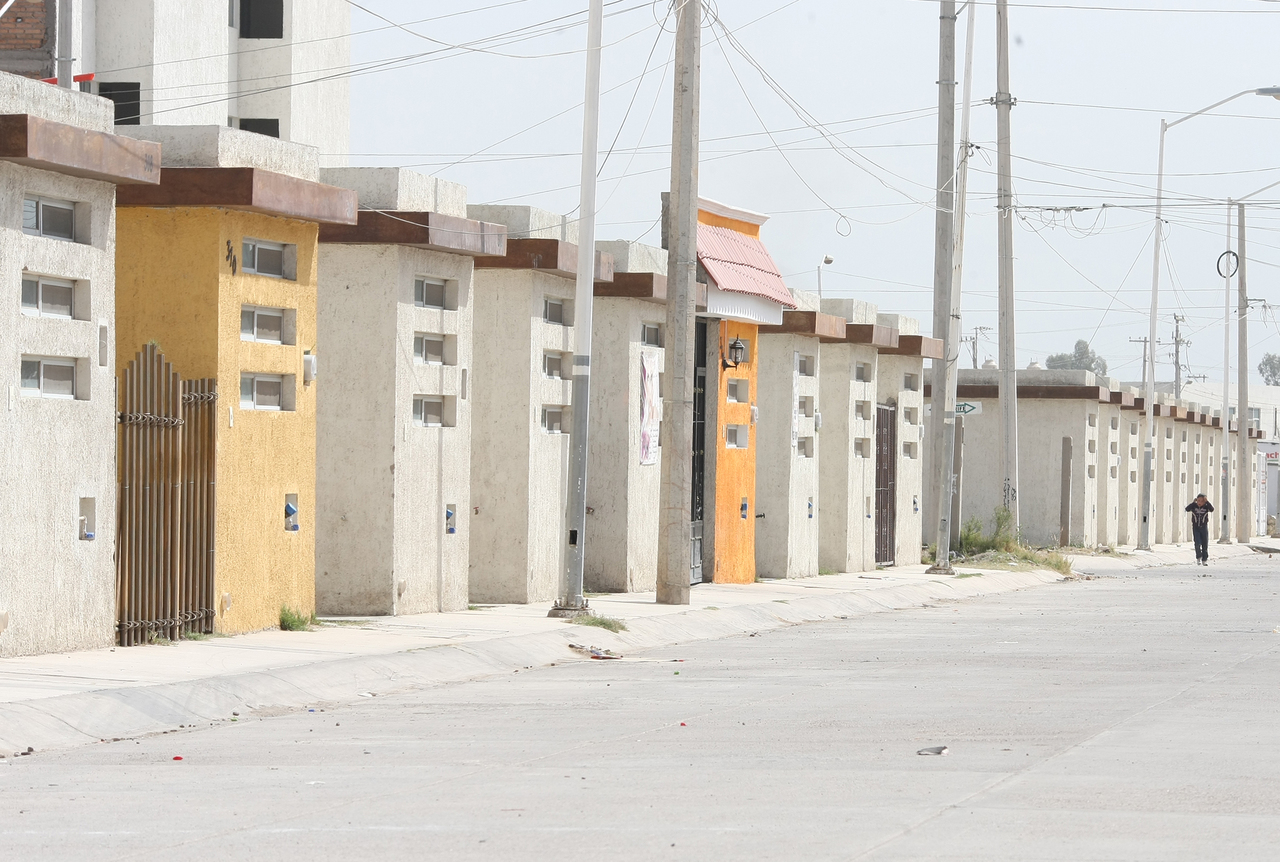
point(886, 481)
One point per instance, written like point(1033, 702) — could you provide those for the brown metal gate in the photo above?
point(165, 542)
point(886, 479)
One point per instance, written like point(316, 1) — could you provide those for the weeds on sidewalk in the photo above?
point(1003, 548)
point(611, 623)
point(295, 621)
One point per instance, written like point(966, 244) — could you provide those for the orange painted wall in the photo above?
point(735, 536)
point(744, 227)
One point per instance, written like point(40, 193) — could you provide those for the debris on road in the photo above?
point(936, 749)
point(594, 652)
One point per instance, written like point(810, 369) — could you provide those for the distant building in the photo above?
point(264, 66)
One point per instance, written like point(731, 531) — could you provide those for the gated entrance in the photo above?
point(886, 479)
point(165, 457)
point(697, 503)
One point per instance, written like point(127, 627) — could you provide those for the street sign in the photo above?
point(968, 408)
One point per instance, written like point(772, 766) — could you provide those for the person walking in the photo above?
point(1200, 508)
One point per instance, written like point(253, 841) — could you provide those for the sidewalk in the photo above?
point(60, 700)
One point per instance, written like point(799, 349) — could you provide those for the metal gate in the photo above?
point(886, 479)
point(697, 503)
point(165, 456)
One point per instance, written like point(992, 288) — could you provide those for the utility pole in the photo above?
point(66, 30)
point(1178, 320)
point(571, 600)
point(675, 542)
point(978, 332)
point(942, 428)
point(1244, 470)
point(1143, 341)
point(1224, 451)
point(1004, 201)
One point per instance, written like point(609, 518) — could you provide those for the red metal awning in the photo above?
point(741, 264)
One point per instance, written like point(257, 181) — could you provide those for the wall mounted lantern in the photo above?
point(737, 353)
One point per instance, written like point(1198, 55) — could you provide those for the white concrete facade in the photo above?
point(57, 454)
point(193, 67)
point(623, 492)
point(847, 482)
point(787, 456)
point(393, 480)
point(520, 431)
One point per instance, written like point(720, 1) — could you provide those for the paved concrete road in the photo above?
point(1128, 718)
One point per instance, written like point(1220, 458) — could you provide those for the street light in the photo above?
point(827, 261)
point(1149, 395)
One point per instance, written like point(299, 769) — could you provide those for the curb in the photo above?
point(112, 714)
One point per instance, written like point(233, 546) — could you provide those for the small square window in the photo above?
point(1115, 448)
point(909, 450)
point(1093, 446)
point(428, 293)
point(862, 410)
point(651, 335)
point(553, 311)
point(260, 257)
point(1093, 471)
point(1115, 472)
point(1133, 427)
point(429, 349)
point(804, 447)
point(737, 390)
point(553, 420)
point(262, 392)
point(808, 405)
point(862, 372)
point(911, 415)
point(910, 382)
point(262, 324)
point(42, 297)
point(48, 378)
point(862, 447)
point(428, 411)
point(51, 218)
point(808, 366)
point(553, 365)
point(1133, 476)
point(737, 437)
point(1115, 423)
point(261, 19)
point(1133, 452)
point(1093, 420)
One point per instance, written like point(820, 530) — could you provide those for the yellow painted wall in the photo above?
point(733, 224)
point(735, 536)
point(175, 285)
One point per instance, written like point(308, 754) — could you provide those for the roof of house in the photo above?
point(741, 264)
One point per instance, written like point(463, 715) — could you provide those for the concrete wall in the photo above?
point(385, 483)
point(176, 287)
point(400, 189)
point(787, 497)
point(356, 440)
point(623, 494)
point(1110, 439)
point(518, 470)
point(58, 590)
point(525, 222)
point(847, 481)
point(209, 145)
point(1129, 491)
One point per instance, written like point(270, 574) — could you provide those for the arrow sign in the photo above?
point(968, 408)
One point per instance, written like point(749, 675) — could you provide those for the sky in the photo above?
point(822, 114)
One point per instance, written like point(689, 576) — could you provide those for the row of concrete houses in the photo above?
point(1080, 460)
point(247, 382)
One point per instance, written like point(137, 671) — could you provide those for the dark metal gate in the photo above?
point(886, 479)
point(164, 549)
point(697, 504)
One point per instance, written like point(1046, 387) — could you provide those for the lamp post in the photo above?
point(826, 261)
point(1148, 473)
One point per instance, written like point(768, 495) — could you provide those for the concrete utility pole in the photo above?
point(1004, 203)
point(571, 600)
point(66, 30)
point(978, 332)
point(1244, 470)
point(945, 326)
point(1143, 342)
point(1178, 320)
point(675, 543)
point(1224, 450)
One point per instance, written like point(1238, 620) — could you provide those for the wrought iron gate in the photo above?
point(165, 542)
point(886, 480)
point(697, 502)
